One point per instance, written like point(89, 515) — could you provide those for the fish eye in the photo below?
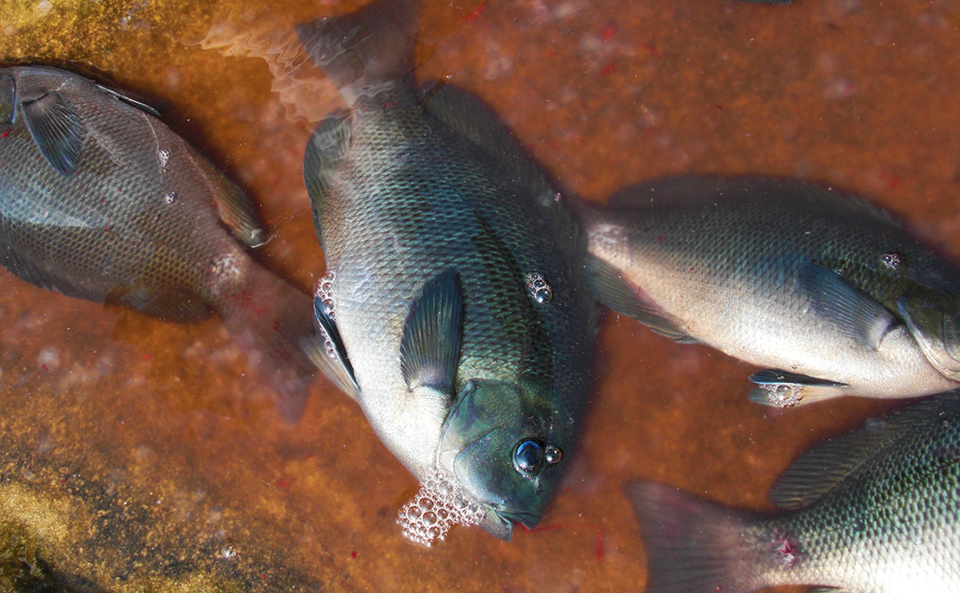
point(528, 457)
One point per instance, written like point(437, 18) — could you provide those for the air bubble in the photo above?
point(784, 395)
point(890, 260)
point(325, 293)
point(540, 289)
point(439, 505)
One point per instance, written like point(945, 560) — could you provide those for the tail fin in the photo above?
point(367, 51)
point(273, 322)
point(693, 546)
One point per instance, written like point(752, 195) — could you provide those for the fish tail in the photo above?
point(367, 51)
point(272, 321)
point(692, 546)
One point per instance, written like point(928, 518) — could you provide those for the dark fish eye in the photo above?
point(528, 457)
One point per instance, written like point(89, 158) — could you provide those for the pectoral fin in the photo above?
point(430, 346)
point(623, 296)
point(784, 389)
point(854, 311)
point(56, 129)
point(931, 318)
point(333, 360)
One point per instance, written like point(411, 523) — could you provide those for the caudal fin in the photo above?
point(693, 546)
point(366, 51)
point(273, 322)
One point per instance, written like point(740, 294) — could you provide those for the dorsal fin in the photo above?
point(818, 471)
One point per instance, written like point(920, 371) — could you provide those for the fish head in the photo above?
point(8, 98)
point(499, 443)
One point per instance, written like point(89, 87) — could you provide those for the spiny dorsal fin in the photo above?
point(697, 190)
point(818, 471)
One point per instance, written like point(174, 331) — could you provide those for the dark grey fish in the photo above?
point(455, 304)
point(875, 511)
point(826, 290)
point(100, 200)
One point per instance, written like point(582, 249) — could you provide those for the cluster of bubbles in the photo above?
point(439, 505)
point(325, 294)
point(784, 395)
point(540, 289)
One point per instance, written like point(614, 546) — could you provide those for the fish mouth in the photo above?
point(499, 522)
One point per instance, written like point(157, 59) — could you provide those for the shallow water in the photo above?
point(137, 455)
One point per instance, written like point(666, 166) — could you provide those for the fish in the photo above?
point(828, 292)
point(101, 201)
point(454, 303)
point(876, 510)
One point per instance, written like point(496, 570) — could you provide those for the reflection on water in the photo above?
point(138, 455)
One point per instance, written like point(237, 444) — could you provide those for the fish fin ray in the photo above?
point(327, 146)
point(621, 295)
point(272, 320)
point(168, 304)
point(697, 190)
point(928, 317)
point(808, 389)
point(234, 207)
point(332, 358)
point(816, 472)
point(56, 129)
point(853, 310)
point(471, 117)
point(129, 101)
point(366, 51)
point(691, 544)
point(430, 345)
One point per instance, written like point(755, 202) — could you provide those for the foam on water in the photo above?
point(439, 505)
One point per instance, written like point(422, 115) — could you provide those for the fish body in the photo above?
point(827, 291)
point(454, 299)
point(875, 511)
point(100, 200)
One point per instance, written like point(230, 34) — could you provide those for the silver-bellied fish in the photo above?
point(455, 303)
point(877, 511)
point(826, 290)
point(100, 200)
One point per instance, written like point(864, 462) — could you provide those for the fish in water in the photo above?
point(877, 511)
point(455, 304)
point(826, 290)
point(100, 200)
